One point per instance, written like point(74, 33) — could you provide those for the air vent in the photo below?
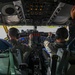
point(8, 9)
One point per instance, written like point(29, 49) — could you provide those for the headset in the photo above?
point(61, 33)
point(14, 32)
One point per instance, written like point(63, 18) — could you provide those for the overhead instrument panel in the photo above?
point(38, 11)
point(34, 12)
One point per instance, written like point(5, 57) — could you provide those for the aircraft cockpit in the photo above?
point(29, 51)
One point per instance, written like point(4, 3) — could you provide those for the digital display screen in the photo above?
point(36, 34)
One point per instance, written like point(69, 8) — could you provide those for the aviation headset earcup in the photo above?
point(56, 36)
point(61, 33)
point(14, 32)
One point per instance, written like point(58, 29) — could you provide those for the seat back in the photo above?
point(62, 63)
point(18, 56)
point(54, 64)
point(71, 70)
point(48, 60)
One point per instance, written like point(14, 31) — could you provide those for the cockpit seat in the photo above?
point(4, 44)
point(62, 62)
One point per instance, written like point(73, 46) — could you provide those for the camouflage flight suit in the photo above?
point(54, 46)
point(25, 50)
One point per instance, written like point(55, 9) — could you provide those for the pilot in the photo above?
point(72, 29)
point(61, 35)
point(51, 37)
point(13, 34)
point(72, 24)
point(30, 40)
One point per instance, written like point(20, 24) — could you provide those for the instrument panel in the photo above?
point(29, 12)
point(39, 11)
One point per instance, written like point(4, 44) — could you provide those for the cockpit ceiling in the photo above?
point(35, 12)
point(63, 17)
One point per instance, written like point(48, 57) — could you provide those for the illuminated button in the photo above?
point(31, 9)
point(40, 9)
point(35, 8)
